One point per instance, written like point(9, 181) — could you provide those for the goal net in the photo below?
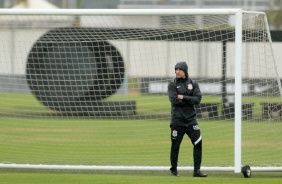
point(87, 89)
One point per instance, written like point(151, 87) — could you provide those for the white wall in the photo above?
point(15, 46)
point(149, 58)
point(157, 58)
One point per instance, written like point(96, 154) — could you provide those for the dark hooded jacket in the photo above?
point(183, 112)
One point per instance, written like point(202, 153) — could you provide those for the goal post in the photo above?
point(86, 89)
point(238, 94)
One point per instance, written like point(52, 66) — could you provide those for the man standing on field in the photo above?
point(183, 94)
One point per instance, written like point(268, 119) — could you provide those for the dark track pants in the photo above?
point(194, 133)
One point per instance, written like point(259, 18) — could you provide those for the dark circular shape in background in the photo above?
point(67, 70)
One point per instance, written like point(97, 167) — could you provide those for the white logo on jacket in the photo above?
point(190, 86)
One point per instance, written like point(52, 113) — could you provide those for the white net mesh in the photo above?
point(91, 90)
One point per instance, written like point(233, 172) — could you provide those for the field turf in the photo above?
point(128, 177)
point(35, 137)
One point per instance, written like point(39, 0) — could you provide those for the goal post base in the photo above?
point(247, 172)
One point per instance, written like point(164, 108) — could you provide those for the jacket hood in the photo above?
point(182, 65)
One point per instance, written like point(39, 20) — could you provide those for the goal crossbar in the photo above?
point(147, 12)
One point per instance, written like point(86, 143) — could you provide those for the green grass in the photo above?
point(26, 103)
point(126, 142)
point(128, 177)
point(29, 134)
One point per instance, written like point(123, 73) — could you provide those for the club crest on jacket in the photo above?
point(190, 87)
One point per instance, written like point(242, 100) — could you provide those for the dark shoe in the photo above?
point(199, 174)
point(174, 174)
point(173, 171)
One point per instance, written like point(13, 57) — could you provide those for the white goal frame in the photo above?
point(147, 12)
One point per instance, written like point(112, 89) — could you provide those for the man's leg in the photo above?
point(194, 134)
point(197, 154)
point(176, 139)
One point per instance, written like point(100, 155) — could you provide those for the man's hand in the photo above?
point(180, 97)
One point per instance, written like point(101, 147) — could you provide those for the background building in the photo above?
point(244, 4)
point(16, 65)
point(111, 4)
point(273, 8)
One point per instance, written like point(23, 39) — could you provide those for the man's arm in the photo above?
point(197, 95)
point(173, 95)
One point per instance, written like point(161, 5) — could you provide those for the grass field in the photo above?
point(126, 142)
point(28, 105)
point(29, 134)
point(129, 177)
